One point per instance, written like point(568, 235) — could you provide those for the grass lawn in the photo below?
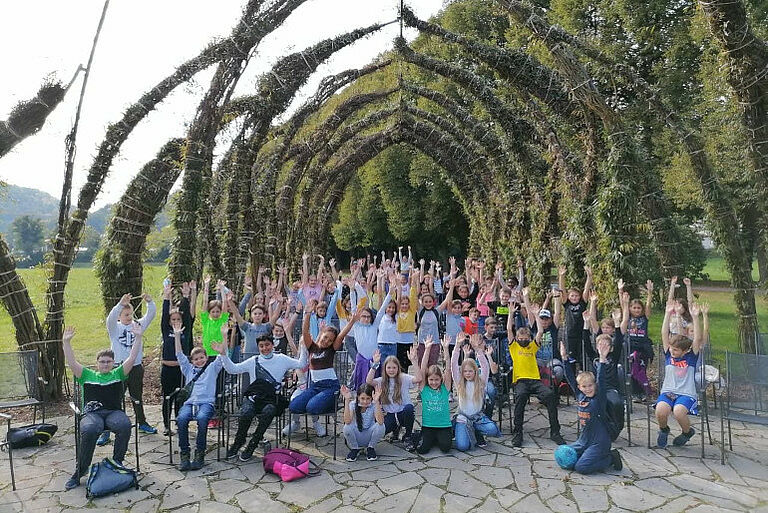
point(84, 309)
point(715, 268)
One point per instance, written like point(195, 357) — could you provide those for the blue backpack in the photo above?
point(108, 477)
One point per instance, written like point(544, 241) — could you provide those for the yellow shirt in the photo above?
point(406, 321)
point(524, 364)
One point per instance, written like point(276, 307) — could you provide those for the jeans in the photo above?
point(490, 398)
point(385, 350)
point(91, 426)
point(367, 438)
point(265, 412)
point(202, 413)
point(393, 421)
point(351, 346)
point(318, 399)
point(482, 424)
point(525, 388)
point(593, 459)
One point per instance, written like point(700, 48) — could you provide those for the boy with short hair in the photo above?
point(470, 323)
point(594, 444)
point(200, 404)
point(678, 392)
point(527, 381)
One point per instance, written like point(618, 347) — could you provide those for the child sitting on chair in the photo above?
point(678, 392)
point(592, 450)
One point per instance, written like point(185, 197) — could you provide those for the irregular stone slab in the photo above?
point(488, 459)
point(185, 492)
point(508, 497)
point(233, 473)
point(678, 505)
point(225, 489)
point(217, 507)
point(548, 488)
point(124, 499)
point(400, 482)
point(428, 499)
point(532, 504)
point(490, 505)
point(707, 508)
point(548, 469)
point(659, 486)
point(371, 494)
point(589, 498)
point(146, 506)
point(349, 495)
point(259, 501)
point(303, 495)
point(253, 473)
point(409, 465)
point(701, 486)
point(326, 506)
point(458, 503)
point(562, 505)
point(495, 477)
point(396, 503)
point(450, 462)
point(463, 484)
point(435, 476)
point(376, 473)
point(634, 498)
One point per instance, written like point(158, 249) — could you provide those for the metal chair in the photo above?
point(746, 395)
point(342, 367)
point(76, 405)
point(7, 444)
point(21, 384)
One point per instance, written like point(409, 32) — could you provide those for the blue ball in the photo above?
point(566, 457)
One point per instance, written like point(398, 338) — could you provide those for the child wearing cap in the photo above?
point(527, 382)
point(543, 321)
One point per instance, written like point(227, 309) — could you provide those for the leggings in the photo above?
point(431, 437)
point(135, 385)
point(170, 380)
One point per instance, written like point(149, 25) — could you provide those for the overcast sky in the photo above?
point(141, 42)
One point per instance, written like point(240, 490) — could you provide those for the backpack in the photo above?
point(440, 321)
point(289, 465)
point(33, 435)
point(610, 424)
point(108, 477)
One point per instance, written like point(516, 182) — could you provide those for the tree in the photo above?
point(28, 235)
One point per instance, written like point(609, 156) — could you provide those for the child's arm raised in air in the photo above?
point(648, 299)
point(695, 310)
point(672, 286)
point(151, 311)
point(193, 298)
point(665, 324)
point(624, 312)
point(69, 354)
point(705, 324)
point(372, 369)
point(206, 288)
point(561, 270)
point(588, 282)
point(455, 372)
point(603, 350)
point(485, 368)
point(413, 356)
point(346, 393)
point(125, 301)
point(138, 333)
point(306, 336)
point(594, 325)
point(688, 290)
point(356, 317)
point(446, 343)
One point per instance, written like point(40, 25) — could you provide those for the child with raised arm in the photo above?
point(102, 400)
point(470, 422)
point(212, 318)
point(678, 392)
point(120, 329)
point(436, 425)
point(363, 421)
point(318, 398)
point(634, 323)
point(593, 448)
point(366, 333)
point(527, 382)
point(408, 307)
point(574, 306)
point(396, 398)
point(257, 328)
point(262, 398)
point(199, 406)
point(170, 372)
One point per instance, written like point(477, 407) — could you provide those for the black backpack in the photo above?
point(33, 435)
point(265, 390)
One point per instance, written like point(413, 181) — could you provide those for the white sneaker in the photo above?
point(319, 428)
point(292, 427)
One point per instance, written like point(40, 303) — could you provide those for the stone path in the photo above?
point(498, 478)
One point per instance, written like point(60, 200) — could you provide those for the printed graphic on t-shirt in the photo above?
point(125, 338)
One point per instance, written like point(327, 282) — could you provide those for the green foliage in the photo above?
point(27, 236)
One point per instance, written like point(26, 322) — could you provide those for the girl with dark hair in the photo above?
point(363, 421)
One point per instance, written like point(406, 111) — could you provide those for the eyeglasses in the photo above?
point(106, 362)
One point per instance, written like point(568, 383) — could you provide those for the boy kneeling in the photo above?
point(593, 451)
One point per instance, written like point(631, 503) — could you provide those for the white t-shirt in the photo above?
point(406, 383)
point(468, 406)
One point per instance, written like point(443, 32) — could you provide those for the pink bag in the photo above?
point(289, 465)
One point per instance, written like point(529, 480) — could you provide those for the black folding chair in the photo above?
point(6, 444)
point(746, 394)
point(21, 385)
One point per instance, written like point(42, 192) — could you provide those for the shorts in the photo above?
point(673, 400)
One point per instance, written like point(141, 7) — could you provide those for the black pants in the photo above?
point(266, 412)
point(135, 386)
point(525, 388)
point(170, 380)
point(431, 437)
point(402, 355)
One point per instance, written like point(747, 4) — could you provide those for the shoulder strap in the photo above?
point(202, 371)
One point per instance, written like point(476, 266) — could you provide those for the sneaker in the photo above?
point(394, 437)
point(232, 451)
point(319, 428)
point(517, 439)
point(103, 438)
point(184, 464)
point(73, 482)
point(247, 453)
point(409, 445)
point(661, 440)
point(616, 460)
point(683, 438)
point(557, 438)
point(168, 432)
point(214, 424)
point(353, 454)
point(481, 441)
point(292, 427)
point(370, 454)
point(146, 428)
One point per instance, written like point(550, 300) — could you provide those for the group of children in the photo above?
point(392, 315)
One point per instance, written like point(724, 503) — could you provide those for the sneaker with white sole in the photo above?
point(292, 427)
point(319, 428)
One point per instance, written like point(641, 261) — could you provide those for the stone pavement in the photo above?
point(498, 478)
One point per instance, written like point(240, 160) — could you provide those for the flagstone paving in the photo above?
point(497, 478)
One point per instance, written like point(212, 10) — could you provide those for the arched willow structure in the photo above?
point(545, 139)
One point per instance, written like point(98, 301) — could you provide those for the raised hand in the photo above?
point(207, 280)
point(346, 393)
point(461, 337)
point(489, 351)
point(466, 350)
point(377, 393)
point(625, 298)
point(413, 353)
point(588, 270)
point(224, 331)
point(474, 340)
point(687, 282)
point(332, 262)
point(620, 284)
point(499, 265)
point(593, 296)
point(673, 281)
point(695, 309)
point(219, 347)
point(586, 316)
point(376, 357)
point(311, 306)
point(429, 341)
point(446, 342)
point(178, 327)
point(69, 333)
point(146, 297)
point(649, 286)
point(704, 309)
point(125, 300)
point(563, 352)
point(137, 329)
point(561, 270)
point(167, 290)
point(526, 292)
point(670, 307)
point(185, 289)
point(603, 348)
point(534, 308)
point(193, 285)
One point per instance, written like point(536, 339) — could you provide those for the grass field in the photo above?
point(716, 270)
point(85, 311)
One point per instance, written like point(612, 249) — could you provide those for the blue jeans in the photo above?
point(405, 418)
point(593, 459)
point(385, 350)
point(483, 425)
point(318, 399)
point(202, 413)
point(490, 398)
